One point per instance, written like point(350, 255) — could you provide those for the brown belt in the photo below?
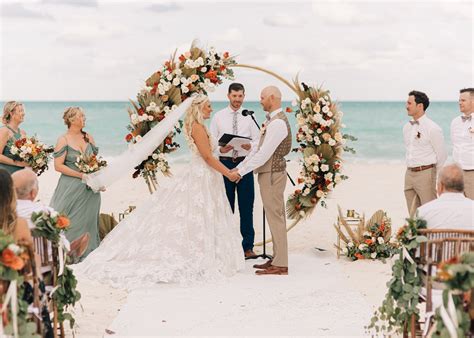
point(422, 167)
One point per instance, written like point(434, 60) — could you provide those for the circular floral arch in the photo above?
point(319, 136)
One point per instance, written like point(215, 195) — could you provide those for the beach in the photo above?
point(319, 297)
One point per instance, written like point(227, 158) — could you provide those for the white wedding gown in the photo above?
point(185, 232)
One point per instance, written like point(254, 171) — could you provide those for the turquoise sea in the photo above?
point(377, 125)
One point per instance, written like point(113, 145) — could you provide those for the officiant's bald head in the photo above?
point(270, 98)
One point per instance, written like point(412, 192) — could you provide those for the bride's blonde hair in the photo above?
point(194, 114)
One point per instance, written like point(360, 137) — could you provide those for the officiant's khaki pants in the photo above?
point(420, 188)
point(469, 184)
point(272, 188)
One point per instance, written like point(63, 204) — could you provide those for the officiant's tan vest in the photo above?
point(277, 162)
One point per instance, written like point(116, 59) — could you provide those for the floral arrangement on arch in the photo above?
point(321, 144)
point(371, 240)
point(31, 151)
point(196, 71)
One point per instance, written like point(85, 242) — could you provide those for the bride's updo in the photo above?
point(194, 113)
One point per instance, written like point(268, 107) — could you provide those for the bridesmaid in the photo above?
point(13, 116)
point(72, 197)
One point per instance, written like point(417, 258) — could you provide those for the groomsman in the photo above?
point(231, 121)
point(425, 152)
point(462, 136)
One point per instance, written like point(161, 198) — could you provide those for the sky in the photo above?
point(359, 50)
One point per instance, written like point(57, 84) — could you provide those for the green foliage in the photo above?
point(401, 300)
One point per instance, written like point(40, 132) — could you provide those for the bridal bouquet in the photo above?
point(90, 163)
point(196, 71)
point(31, 151)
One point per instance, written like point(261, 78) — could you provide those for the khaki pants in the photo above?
point(272, 188)
point(469, 184)
point(420, 188)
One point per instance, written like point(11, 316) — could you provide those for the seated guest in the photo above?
point(452, 210)
point(10, 222)
point(26, 187)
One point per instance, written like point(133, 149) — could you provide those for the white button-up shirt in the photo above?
point(462, 136)
point(449, 211)
point(222, 124)
point(424, 143)
point(275, 133)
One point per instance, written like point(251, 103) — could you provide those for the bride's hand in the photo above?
point(234, 176)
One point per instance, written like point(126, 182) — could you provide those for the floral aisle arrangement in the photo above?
point(321, 143)
point(452, 318)
point(51, 225)
point(196, 71)
point(89, 164)
point(31, 151)
point(401, 300)
point(371, 240)
point(14, 316)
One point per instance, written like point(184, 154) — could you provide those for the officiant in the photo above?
point(231, 121)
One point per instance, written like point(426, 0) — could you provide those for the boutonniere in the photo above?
point(263, 130)
point(418, 135)
point(471, 130)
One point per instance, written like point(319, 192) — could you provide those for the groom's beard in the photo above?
point(236, 105)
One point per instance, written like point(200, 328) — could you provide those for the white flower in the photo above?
point(380, 240)
point(13, 150)
point(393, 240)
point(373, 255)
point(324, 167)
point(325, 109)
point(169, 77)
point(176, 81)
point(332, 142)
point(319, 193)
point(302, 213)
point(15, 248)
point(319, 130)
point(184, 89)
point(315, 169)
point(150, 118)
point(316, 108)
point(154, 156)
point(366, 233)
point(306, 191)
point(362, 246)
point(177, 71)
point(328, 176)
point(317, 141)
point(54, 214)
point(338, 137)
point(203, 69)
point(344, 250)
point(161, 91)
point(350, 244)
point(329, 113)
point(138, 138)
point(337, 178)
point(330, 186)
point(39, 161)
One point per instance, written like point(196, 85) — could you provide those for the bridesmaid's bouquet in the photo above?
point(31, 151)
point(89, 164)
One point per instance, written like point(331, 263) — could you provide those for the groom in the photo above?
point(268, 161)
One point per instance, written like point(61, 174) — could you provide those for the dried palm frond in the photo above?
point(376, 218)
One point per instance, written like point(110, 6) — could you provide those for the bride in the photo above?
point(184, 232)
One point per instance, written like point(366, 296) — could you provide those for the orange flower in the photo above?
point(368, 241)
point(62, 222)
point(12, 261)
point(129, 137)
point(168, 140)
point(182, 58)
point(297, 191)
point(359, 256)
point(314, 200)
point(289, 110)
point(297, 206)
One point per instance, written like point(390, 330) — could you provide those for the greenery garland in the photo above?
point(401, 300)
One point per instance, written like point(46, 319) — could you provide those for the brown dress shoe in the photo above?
point(249, 253)
point(273, 270)
point(264, 265)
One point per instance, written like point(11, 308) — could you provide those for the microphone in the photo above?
point(246, 112)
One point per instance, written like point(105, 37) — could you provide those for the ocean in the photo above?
point(377, 125)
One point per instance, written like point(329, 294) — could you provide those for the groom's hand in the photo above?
point(234, 176)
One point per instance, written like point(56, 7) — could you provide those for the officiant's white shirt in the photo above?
point(462, 136)
point(222, 124)
point(275, 133)
point(449, 211)
point(424, 143)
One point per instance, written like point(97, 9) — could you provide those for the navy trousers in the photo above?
point(245, 198)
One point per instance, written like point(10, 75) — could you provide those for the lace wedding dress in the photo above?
point(184, 232)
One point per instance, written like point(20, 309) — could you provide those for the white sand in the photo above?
point(321, 296)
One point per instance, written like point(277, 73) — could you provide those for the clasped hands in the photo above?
point(227, 148)
point(234, 176)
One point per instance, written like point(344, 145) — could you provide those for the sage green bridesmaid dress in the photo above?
point(6, 152)
point(77, 201)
